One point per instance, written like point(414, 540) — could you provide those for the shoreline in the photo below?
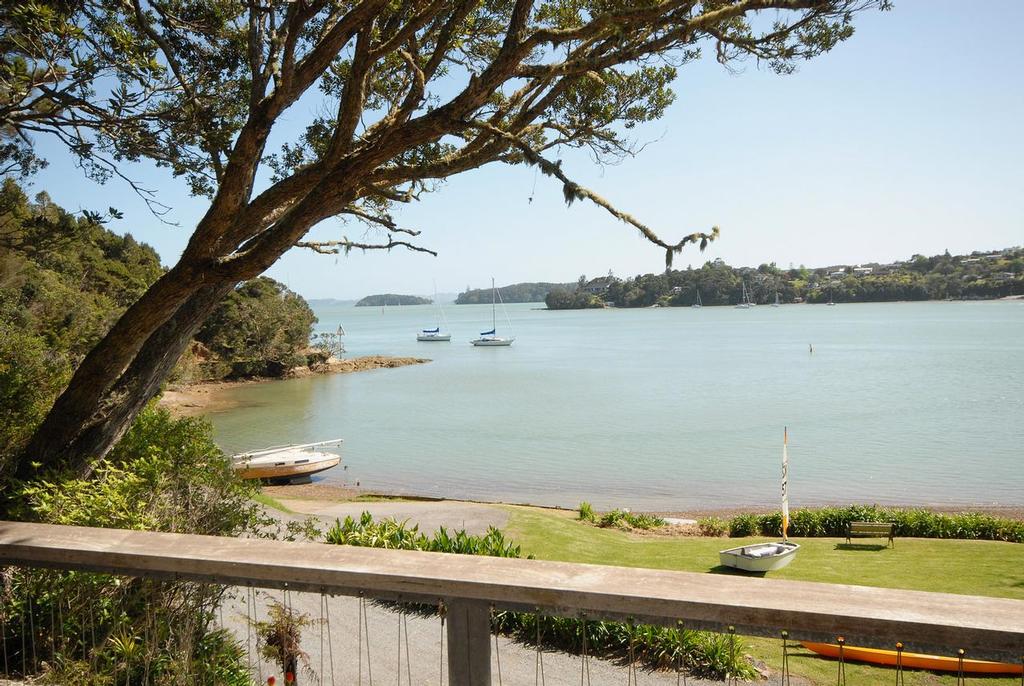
point(195, 399)
point(328, 494)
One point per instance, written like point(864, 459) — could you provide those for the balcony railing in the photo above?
point(470, 586)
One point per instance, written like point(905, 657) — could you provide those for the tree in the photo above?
point(413, 91)
point(258, 328)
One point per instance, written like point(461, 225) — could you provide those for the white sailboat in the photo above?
point(698, 303)
point(435, 335)
point(830, 302)
point(745, 299)
point(776, 303)
point(767, 557)
point(491, 338)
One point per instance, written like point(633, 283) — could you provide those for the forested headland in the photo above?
point(64, 280)
point(979, 275)
point(514, 293)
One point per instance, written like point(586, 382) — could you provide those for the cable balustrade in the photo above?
point(448, 603)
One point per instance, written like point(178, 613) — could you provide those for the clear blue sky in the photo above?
point(908, 138)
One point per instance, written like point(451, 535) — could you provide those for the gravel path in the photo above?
point(430, 515)
point(518, 662)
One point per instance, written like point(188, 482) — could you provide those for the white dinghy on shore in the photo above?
point(766, 557)
point(287, 463)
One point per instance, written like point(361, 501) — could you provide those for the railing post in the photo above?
point(469, 643)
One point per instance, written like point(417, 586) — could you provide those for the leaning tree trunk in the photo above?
point(100, 403)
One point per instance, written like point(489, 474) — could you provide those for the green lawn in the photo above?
point(971, 567)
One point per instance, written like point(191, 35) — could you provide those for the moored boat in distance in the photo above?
point(287, 463)
point(698, 303)
point(433, 335)
point(491, 338)
point(744, 303)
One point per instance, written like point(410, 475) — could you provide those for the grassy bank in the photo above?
point(949, 566)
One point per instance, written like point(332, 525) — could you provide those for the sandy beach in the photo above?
point(328, 502)
point(191, 400)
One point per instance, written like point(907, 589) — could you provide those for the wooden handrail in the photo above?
point(985, 627)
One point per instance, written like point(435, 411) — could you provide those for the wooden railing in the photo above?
point(988, 628)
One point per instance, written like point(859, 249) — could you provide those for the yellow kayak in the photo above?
point(934, 663)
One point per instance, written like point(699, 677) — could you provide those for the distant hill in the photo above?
point(516, 293)
point(978, 275)
point(329, 302)
point(389, 299)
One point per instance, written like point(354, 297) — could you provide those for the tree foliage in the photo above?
point(565, 299)
point(939, 277)
point(64, 280)
point(260, 329)
point(387, 299)
point(513, 293)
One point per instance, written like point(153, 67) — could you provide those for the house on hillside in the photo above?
point(862, 271)
point(600, 285)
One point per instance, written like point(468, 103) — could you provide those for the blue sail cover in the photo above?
point(437, 330)
point(487, 333)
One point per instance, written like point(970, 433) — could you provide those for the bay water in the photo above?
point(668, 408)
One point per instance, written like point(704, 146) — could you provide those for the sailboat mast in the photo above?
point(493, 319)
point(785, 483)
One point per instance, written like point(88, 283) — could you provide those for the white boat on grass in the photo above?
point(287, 463)
point(759, 557)
point(766, 557)
point(491, 338)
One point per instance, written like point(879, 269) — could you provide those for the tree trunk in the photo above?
point(98, 407)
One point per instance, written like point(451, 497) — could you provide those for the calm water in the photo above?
point(677, 408)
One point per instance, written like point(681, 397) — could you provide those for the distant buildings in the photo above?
point(599, 285)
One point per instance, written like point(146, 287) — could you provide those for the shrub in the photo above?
point(165, 475)
point(911, 523)
point(712, 526)
point(624, 519)
point(587, 513)
point(743, 525)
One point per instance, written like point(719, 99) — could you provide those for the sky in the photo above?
point(907, 138)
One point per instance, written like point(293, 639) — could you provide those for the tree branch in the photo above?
point(346, 246)
point(572, 191)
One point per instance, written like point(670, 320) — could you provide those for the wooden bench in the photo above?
point(870, 530)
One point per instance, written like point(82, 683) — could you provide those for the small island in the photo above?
point(388, 299)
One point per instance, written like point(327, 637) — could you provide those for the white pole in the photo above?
point(785, 483)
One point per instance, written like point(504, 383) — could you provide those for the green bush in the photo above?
point(702, 653)
point(909, 523)
point(624, 519)
point(165, 475)
point(743, 525)
point(587, 513)
point(712, 526)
